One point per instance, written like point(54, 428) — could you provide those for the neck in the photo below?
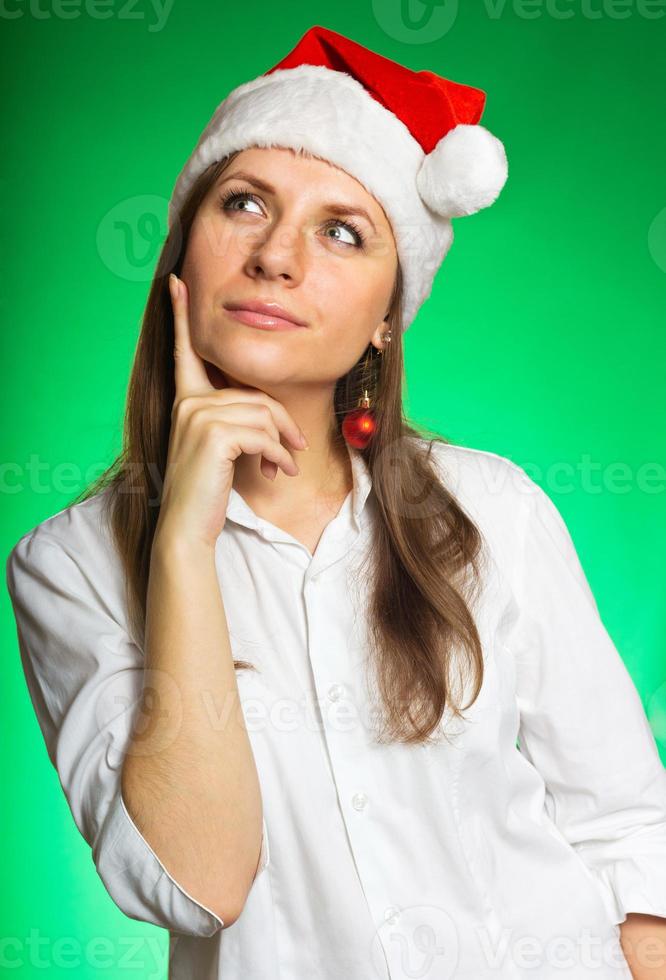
point(324, 476)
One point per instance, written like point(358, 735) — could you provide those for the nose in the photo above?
point(277, 254)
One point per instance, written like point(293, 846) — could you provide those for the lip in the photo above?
point(267, 316)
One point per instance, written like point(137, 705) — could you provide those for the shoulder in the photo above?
point(71, 550)
point(78, 526)
point(495, 492)
point(487, 482)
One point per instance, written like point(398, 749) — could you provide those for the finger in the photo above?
point(252, 441)
point(189, 369)
point(239, 413)
point(286, 423)
point(268, 468)
point(252, 416)
point(283, 420)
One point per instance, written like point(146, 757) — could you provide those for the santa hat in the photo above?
point(411, 138)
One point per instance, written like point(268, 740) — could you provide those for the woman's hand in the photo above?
point(210, 428)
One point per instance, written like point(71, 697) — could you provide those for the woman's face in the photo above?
point(281, 228)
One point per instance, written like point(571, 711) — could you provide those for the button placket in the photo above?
point(331, 646)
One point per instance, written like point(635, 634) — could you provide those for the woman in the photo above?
point(442, 767)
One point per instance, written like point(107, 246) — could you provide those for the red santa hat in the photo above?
point(412, 139)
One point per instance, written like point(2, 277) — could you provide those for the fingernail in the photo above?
point(304, 441)
point(174, 284)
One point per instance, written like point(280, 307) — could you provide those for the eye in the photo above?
point(351, 229)
point(233, 196)
point(230, 197)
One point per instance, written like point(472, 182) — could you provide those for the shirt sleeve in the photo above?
point(582, 722)
point(84, 676)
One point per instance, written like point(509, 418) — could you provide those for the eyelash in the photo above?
point(236, 195)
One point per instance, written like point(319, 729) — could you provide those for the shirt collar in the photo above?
point(239, 511)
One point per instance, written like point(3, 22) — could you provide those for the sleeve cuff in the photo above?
point(264, 855)
point(141, 886)
point(139, 883)
point(635, 883)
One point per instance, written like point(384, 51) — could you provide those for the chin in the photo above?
point(220, 379)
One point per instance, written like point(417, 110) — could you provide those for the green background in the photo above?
point(543, 339)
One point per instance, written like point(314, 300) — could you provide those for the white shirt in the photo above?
point(511, 850)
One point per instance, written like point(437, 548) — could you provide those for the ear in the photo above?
point(376, 339)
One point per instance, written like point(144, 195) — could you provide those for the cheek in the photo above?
point(340, 338)
point(202, 250)
point(213, 246)
point(353, 299)
point(205, 273)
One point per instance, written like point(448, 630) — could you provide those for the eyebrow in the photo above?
point(338, 208)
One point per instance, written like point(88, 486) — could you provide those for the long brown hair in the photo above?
point(426, 552)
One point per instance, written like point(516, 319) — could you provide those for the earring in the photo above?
point(358, 425)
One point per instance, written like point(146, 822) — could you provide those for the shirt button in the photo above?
point(392, 914)
point(359, 800)
point(336, 691)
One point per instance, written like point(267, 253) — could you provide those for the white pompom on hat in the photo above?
point(411, 138)
point(464, 173)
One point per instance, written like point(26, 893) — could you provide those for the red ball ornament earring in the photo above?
point(358, 425)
